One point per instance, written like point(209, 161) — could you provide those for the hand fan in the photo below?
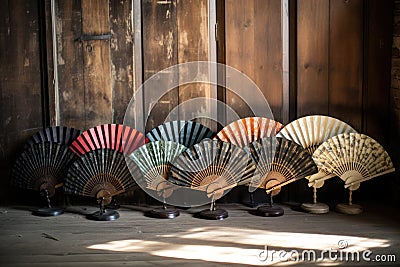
point(279, 162)
point(153, 159)
point(186, 133)
point(214, 167)
point(108, 136)
point(56, 134)
point(310, 132)
point(42, 167)
point(355, 158)
point(244, 131)
point(101, 174)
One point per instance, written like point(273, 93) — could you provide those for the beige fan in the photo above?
point(355, 158)
point(310, 132)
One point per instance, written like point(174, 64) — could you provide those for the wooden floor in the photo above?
point(242, 239)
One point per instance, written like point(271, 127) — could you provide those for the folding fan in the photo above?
point(212, 166)
point(310, 132)
point(154, 159)
point(108, 136)
point(42, 167)
point(279, 162)
point(101, 174)
point(56, 134)
point(244, 131)
point(186, 133)
point(355, 158)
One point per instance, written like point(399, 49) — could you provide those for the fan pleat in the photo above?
point(41, 162)
point(153, 159)
point(96, 170)
point(108, 136)
point(186, 133)
point(351, 152)
point(282, 156)
point(210, 161)
point(56, 134)
point(244, 131)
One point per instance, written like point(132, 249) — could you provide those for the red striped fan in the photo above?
point(110, 136)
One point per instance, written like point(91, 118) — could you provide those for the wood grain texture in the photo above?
point(159, 52)
point(20, 84)
point(346, 61)
point(254, 46)
point(122, 62)
point(96, 64)
point(312, 57)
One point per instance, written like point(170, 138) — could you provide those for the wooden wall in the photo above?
point(339, 51)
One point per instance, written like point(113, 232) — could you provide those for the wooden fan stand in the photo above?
point(49, 210)
point(315, 207)
point(164, 212)
point(350, 208)
point(213, 213)
point(274, 187)
point(104, 198)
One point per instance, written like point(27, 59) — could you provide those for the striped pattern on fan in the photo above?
point(212, 166)
point(353, 157)
point(279, 161)
point(244, 131)
point(186, 133)
point(42, 166)
point(108, 136)
point(154, 159)
point(100, 173)
point(56, 134)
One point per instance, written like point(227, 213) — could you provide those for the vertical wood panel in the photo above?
point(20, 85)
point(122, 64)
point(254, 47)
point(312, 57)
point(193, 45)
point(159, 52)
point(96, 55)
point(346, 61)
point(71, 95)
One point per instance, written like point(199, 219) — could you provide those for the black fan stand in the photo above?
point(164, 212)
point(213, 213)
point(103, 214)
point(49, 210)
point(268, 210)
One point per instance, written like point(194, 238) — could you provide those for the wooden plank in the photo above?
point(378, 40)
point(239, 47)
point(159, 52)
point(193, 45)
point(96, 69)
point(20, 84)
point(122, 62)
point(312, 57)
point(346, 61)
point(71, 100)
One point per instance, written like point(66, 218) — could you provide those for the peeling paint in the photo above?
point(59, 30)
point(170, 40)
point(26, 61)
point(8, 120)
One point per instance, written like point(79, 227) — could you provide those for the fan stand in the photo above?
point(349, 208)
point(315, 207)
point(164, 212)
point(268, 210)
point(213, 213)
point(49, 210)
point(103, 214)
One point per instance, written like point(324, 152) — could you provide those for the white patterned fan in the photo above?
point(153, 159)
point(355, 158)
point(310, 132)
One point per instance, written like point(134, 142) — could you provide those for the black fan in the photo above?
point(43, 167)
point(186, 133)
point(279, 162)
point(212, 166)
point(101, 174)
point(56, 134)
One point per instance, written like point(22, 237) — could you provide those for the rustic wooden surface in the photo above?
point(27, 240)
